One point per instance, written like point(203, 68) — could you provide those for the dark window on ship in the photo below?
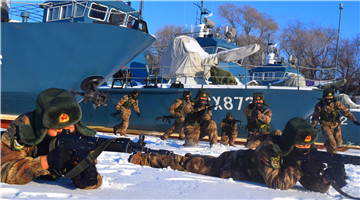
point(116, 17)
point(66, 11)
point(209, 50)
point(80, 9)
point(130, 21)
point(220, 49)
point(53, 13)
point(98, 11)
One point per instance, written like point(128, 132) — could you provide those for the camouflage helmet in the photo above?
point(296, 131)
point(229, 114)
point(55, 108)
point(259, 96)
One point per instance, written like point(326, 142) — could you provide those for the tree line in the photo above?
point(313, 45)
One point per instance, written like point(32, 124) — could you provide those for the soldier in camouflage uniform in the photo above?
point(124, 106)
point(271, 163)
point(258, 121)
point(178, 109)
point(198, 123)
point(228, 130)
point(25, 151)
point(327, 110)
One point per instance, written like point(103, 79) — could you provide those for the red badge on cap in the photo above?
point(308, 138)
point(64, 118)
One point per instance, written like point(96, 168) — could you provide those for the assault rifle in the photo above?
point(167, 118)
point(337, 163)
point(87, 149)
point(116, 115)
point(233, 121)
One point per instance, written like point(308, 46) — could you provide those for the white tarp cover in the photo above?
point(185, 57)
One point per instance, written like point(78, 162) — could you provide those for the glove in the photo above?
point(138, 114)
point(86, 178)
point(356, 123)
point(59, 157)
point(331, 173)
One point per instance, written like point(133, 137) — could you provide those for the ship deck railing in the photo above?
point(16, 8)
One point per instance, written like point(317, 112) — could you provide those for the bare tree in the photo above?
point(252, 26)
point(164, 37)
point(311, 45)
point(349, 65)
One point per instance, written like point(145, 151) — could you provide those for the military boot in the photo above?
point(165, 136)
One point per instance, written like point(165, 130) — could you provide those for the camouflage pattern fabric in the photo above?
point(179, 108)
point(126, 113)
point(331, 129)
point(228, 133)
point(261, 165)
point(207, 127)
point(17, 164)
point(262, 122)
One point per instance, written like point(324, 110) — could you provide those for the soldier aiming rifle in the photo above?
point(229, 129)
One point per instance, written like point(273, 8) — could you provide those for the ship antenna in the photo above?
point(337, 42)
point(141, 9)
point(202, 10)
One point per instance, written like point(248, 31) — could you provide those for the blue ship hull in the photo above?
point(285, 104)
point(37, 56)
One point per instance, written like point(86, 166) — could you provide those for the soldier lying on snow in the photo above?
point(25, 151)
point(271, 163)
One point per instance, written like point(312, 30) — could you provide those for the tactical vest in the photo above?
point(330, 117)
point(128, 103)
point(180, 107)
point(227, 127)
point(254, 125)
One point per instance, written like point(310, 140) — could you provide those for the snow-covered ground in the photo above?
point(123, 180)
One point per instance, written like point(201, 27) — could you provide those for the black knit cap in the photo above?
point(296, 131)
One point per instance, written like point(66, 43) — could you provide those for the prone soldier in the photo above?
point(258, 120)
point(25, 146)
point(228, 130)
point(198, 123)
point(271, 163)
point(178, 109)
point(123, 107)
point(327, 113)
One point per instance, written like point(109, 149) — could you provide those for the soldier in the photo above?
point(258, 120)
point(178, 109)
point(198, 123)
point(124, 107)
point(271, 163)
point(327, 110)
point(25, 154)
point(228, 130)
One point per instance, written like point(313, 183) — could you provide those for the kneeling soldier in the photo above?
point(228, 130)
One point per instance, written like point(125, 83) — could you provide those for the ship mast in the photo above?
point(337, 42)
point(202, 10)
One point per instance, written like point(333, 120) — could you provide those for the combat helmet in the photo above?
point(260, 96)
point(296, 131)
point(55, 108)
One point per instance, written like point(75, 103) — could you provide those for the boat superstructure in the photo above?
point(61, 43)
